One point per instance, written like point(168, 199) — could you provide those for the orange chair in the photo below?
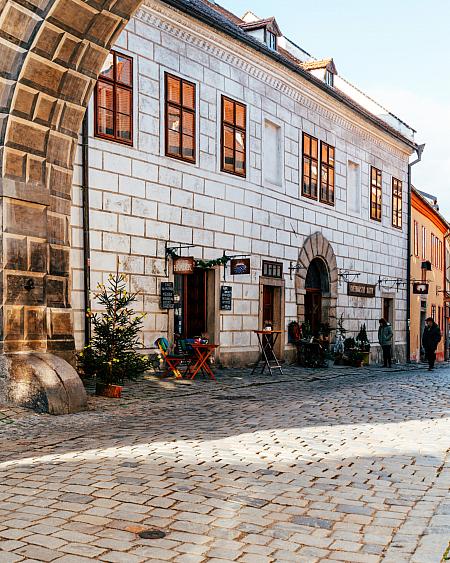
point(171, 361)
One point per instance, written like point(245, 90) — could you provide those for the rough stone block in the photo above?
point(14, 163)
point(60, 323)
point(14, 323)
point(59, 261)
point(35, 169)
point(38, 256)
point(48, 40)
point(16, 253)
point(56, 292)
point(24, 289)
point(35, 323)
point(43, 75)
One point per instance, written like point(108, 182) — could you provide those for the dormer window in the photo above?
point(271, 40)
point(266, 31)
point(329, 78)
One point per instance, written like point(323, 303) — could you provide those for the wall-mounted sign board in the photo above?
point(167, 295)
point(239, 266)
point(420, 288)
point(226, 295)
point(361, 290)
point(183, 265)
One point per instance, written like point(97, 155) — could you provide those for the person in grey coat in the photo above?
point(385, 336)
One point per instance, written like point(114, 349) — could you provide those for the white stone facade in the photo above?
point(139, 198)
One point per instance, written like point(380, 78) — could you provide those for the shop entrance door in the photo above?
point(191, 304)
point(268, 305)
point(313, 309)
point(194, 304)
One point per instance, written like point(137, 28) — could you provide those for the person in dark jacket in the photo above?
point(430, 340)
point(385, 336)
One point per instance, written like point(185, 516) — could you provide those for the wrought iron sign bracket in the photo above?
point(347, 276)
point(292, 268)
point(395, 282)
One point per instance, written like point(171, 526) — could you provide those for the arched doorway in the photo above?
point(317, 287)
point(316, 282)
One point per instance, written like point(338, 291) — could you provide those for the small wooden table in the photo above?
point(202, 353)
point(268, 358)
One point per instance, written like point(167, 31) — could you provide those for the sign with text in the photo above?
point(226, 294)
point(420, 288)
point(183, 265)
point(361, 290)
point(239, 266)
point(167, 295)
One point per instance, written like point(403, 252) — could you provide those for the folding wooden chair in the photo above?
point(171, 361)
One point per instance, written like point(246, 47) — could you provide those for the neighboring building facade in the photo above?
point(199, 138)
point(429, 248)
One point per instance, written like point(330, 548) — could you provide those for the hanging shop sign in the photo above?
point(361, 290)
point(420, 288)
point(183, 265)
point(226, 294)
point(167, 295)
point(239, 266)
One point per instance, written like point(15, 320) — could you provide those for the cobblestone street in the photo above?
point(332, 465)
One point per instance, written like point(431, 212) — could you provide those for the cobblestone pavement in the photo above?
point(331, 465)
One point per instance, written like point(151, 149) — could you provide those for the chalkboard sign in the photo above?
point(167, 300)
point(226, 293)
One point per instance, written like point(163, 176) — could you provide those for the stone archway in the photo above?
point(51, 52)
point(317, 250)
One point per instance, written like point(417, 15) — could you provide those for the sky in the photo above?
point(397, 51)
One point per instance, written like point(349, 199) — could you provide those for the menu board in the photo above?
point(226, 294)
point(167, 295)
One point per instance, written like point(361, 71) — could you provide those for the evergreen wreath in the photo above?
point(205, 264)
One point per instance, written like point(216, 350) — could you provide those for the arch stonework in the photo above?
point(317, 246)
point(51, 52)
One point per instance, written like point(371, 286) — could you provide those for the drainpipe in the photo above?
point(86, 241)
point(419, 150)
point(446, 265)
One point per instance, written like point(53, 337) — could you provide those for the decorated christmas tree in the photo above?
point(112, 354)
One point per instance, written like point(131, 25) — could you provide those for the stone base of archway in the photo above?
point(41, 381)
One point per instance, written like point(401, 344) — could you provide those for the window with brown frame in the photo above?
point(376, 194)
point(310, 166)
point(416, 238)
point(326, 173)
point(179, 118)
point(433, 250)
point(424, 243)
point(272, 269)
point(234, 137)
point(113, 99)
point(397, 203)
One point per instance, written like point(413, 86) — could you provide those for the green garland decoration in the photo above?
point(205, 264)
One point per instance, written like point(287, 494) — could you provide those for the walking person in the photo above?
point(430, 340)
point(385, 336)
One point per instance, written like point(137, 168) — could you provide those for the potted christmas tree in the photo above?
point(112, 354)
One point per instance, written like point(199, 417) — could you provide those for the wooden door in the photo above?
point(313, 309)
point(268, 305)
point(195, 303)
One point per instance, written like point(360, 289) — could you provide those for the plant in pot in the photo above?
point(112, 354)
point(355, 357)
point(338, 348)
point(363, 344)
